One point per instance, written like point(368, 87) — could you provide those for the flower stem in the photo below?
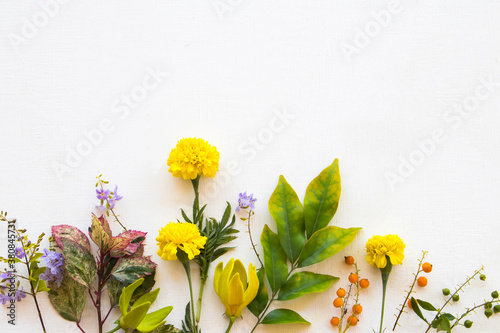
point(200, 297)
point(386, 271)
point(187, 268)
point(231, 322)
point(251, 239)
point(115, 329)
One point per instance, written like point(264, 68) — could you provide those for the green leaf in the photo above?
point(416, 309)
point(322, 199)
point(426, 305)
point(99, 235)
point(444, 325)
point(126, 295)
point(274, 259)
point(68, 299)
point(287, 212)
point(80, 263)
point(260, 301)
point(324, 243)
point(164, 329)
point(129, 269)
point(284, 316)
point(303, 283)
point(41, 286)
point(449, 316)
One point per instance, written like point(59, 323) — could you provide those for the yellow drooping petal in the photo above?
point(217, 274)
point(185, 236)
point(235, 295)
point(251, 291)
point(239, 268)
point(193, 157)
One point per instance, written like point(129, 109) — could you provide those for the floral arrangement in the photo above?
point(117, 277)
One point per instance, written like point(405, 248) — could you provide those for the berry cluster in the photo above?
point(341, 302)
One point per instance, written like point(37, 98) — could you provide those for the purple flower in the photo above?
point(115, 196)
point(20, 252)
point(246, 201)
point(55, 266)
point(102, 194)
point(4, 275)
point(20, 294)
point(4, 299)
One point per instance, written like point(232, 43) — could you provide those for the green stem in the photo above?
point(200, 297)
point(187, 268)
point(386, 271)
point(231, 322)
point(115, 329)
point(196, 204)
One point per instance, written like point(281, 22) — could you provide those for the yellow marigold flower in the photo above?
point(192, 157)
point(378, 248)
point(185, 236)
point(230, 283)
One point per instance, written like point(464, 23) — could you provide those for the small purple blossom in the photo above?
point(246, 201)
point(20, 252)
point(54, 269)
point(4, 299)
point(20, 294)
point(115, 196)
point(102, 194)
point(5, 275)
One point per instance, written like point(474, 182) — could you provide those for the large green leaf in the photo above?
point(324, 243)
point(68, 299)
point(303, 283)
point(260, 301)
point(284, 316)
point(80, 263)
point(129, 269)
point(322, 199)
point(274, 258)
point(288, 213)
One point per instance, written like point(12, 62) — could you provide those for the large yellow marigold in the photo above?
point(378, 248)
point(185, 236)
point(192, 157)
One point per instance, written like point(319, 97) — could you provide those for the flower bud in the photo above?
point(446, 291)
point(496, 308)
point(482, 277)
point(456, 298)
point(468, 324)
point(488, 313)
point(494, 294)
point(488, 305)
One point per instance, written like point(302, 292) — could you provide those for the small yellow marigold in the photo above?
point(185, 236)
point(192, 157)
point(378, 248)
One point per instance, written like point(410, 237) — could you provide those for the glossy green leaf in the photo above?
point(274, 258)
point(444, 325)
point(303, 283)
point(126, 295)
point(322, 199)
point(416, 309)
point(129, 269)
point(287, 212)
point(284, 316)
point(426, 305)
point(260, 301)
point(324, 243)
point(68, 299)
point(449, 316)
point(80, 263)
point(41, 286)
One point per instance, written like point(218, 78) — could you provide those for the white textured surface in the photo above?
point(227, 74)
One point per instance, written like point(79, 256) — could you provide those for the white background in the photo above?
point(230, 71)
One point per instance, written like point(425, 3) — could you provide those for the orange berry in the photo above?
point(338, 302)
point(341, 292)
point(426, 267)
point(422, 281)
point(349, 260)
point(364, 283)
point(353, 278)
point(352, 320)
point(357, 309)
point(335, 321)
point(409, 304)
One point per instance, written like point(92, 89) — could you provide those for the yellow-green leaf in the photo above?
point(274, 258)
point(303, 283)
point(324, 243)
point(322, 199)
point(288, 213)
point(284, 316)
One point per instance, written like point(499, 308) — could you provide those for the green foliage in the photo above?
point(68, 299)
point(80, 263)
point(322, 199)
point(283, 316)
point(304, 283)
point(303, 238)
